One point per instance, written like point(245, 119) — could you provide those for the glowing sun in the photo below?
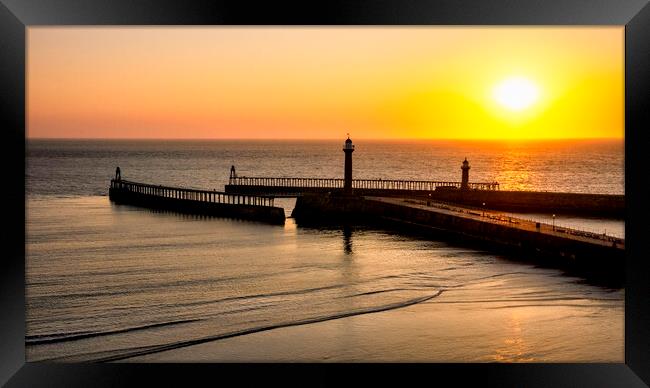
point(516, 93)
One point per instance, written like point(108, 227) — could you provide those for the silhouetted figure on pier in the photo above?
point(118, 175)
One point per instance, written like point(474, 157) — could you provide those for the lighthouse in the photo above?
point(464, 183)
point(348, 148)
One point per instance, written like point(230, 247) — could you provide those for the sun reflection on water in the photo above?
point(514, 348)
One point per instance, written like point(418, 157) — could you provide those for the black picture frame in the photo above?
point(17, 15)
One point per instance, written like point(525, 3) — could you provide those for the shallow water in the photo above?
point(110, 282)
point(105, 282)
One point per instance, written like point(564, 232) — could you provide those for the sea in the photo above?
point(118, 283)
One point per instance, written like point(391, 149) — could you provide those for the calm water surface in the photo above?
point(109, 282)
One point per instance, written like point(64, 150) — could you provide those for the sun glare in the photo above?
point(516, 93)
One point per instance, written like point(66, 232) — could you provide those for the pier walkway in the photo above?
point(499, 218)
point(594, 255)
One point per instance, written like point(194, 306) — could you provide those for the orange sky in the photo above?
point(322, 82)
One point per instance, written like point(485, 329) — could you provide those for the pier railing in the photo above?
point(510, 219)
point(337, 183)
point(191, 194)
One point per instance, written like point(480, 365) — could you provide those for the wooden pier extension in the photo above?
point(297, 186)
point(203, 202)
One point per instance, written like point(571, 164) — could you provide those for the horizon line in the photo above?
point(325, 138)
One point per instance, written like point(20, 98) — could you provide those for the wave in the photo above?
point(551, 299)
point(51, 338)
point(381, 291)
point(108, 356)
point(549, 305)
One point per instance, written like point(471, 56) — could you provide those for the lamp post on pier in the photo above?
point(553, 222)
